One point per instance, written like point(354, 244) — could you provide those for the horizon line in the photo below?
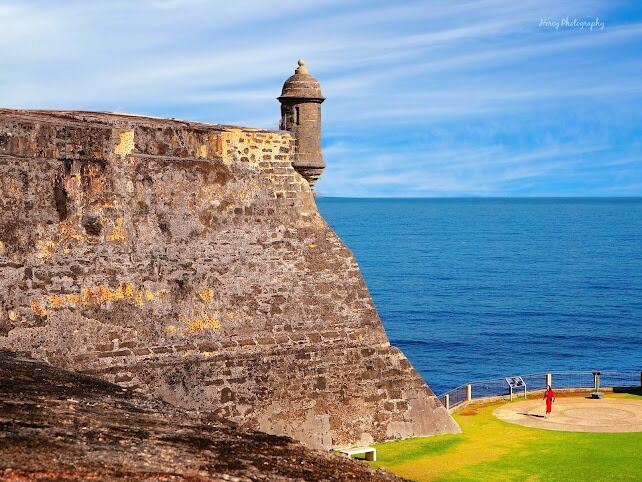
point(624, 197)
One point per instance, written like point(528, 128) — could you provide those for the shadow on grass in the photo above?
point(629, 390)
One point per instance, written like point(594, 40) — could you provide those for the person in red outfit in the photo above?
point(549, 396)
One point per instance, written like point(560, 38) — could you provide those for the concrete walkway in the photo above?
point(576, 414)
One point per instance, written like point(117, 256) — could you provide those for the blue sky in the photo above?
point(429, 98)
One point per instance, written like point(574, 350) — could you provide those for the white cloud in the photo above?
point(417, 72)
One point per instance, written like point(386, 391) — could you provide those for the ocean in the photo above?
point(472, 289)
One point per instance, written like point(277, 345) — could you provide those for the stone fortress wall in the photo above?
point(189, 261)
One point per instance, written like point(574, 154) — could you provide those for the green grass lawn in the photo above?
point(489, 449)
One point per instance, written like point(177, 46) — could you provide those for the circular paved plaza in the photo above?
point(576, 414)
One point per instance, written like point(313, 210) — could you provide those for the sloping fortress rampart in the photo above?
point(189, 261)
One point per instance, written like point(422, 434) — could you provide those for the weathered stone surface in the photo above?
point(59, 425)
point(189, 261)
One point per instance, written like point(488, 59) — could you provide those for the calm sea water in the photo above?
point(481, 288)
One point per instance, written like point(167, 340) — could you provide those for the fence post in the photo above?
point(596, 381)
point(469, 392)
point(549, 379)
point(447, 401)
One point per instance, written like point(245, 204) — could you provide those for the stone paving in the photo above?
point(576, 414)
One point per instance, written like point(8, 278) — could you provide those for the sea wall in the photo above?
point(189, 261)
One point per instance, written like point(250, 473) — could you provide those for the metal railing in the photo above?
point(498, 387)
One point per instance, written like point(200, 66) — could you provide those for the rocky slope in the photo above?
point(60, 425)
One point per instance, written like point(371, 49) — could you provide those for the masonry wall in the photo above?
point(189, 261)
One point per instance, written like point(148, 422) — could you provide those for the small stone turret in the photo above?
point(301, 115)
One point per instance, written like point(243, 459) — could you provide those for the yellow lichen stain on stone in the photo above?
point(68, 230)
point(202, 151)
point(126, 144)
point(118, 233)
point(46, 249)
point(312, 245)
point(98, 295)
point(108, 205)
point(75, 299)
point(37, 309)
point(203, 323)
point(1, 248)
point(171, 329)
point(230, 315)
point(128, 290)
point(56, 301)
point(206, 295)
point(119, 294)
point(13, 316)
